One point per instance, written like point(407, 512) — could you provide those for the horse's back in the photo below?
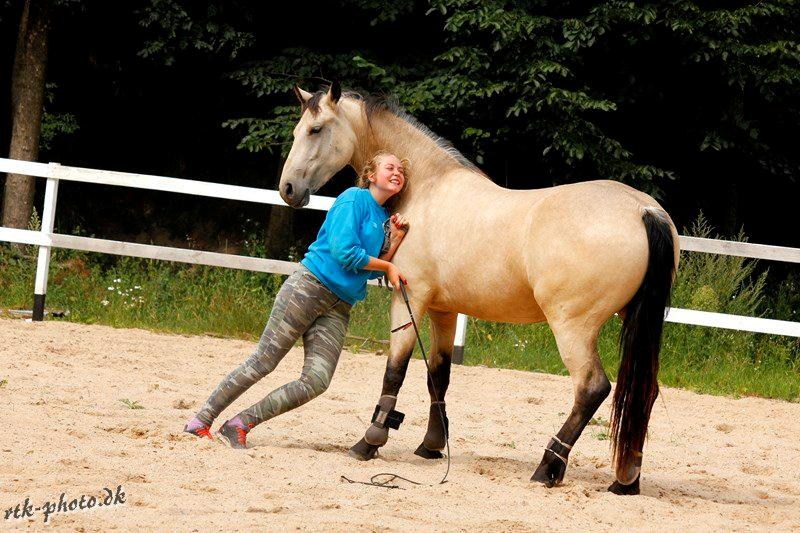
point(516, 256)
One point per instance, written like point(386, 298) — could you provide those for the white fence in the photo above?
point(46, 240)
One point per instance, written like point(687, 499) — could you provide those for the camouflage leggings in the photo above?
point(303, 306)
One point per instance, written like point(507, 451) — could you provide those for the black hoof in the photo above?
point(425, 453)
point(625, 490)
point(363, 451)
point(549, 473)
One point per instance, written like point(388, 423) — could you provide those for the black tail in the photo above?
point(640, 343)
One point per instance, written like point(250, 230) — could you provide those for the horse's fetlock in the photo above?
point(384, 418)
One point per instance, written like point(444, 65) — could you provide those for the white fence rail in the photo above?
point(46, 240)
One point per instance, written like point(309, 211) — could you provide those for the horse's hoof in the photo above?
point(363, 451)
point(425, 453)
point(549, 473)
point(625, 490)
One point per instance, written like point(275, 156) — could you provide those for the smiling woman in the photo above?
point(354, 245)
point(389, 172)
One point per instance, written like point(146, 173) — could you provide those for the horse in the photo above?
point(571, 255)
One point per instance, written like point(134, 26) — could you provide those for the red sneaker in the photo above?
point(198, 428)
point(233, 435)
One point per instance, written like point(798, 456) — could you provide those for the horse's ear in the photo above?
point(303, 96)
point(334, 93)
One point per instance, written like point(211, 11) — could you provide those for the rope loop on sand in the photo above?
point(382, 484)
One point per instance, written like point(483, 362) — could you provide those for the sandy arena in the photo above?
point(711, 463)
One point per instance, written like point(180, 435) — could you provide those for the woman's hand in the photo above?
point(395, 277)
point(399, 227)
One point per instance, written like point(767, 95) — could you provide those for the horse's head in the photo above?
point(324, 143)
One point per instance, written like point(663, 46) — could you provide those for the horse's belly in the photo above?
point(492, 300)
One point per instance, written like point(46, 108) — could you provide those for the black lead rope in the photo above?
point(383, 484)
point(392, 477)
point(430, 377)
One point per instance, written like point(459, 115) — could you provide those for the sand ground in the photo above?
point(711, 463)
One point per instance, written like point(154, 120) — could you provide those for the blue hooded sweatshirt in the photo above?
point(352, 232)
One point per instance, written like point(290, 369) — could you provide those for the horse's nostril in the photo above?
point(288, 190)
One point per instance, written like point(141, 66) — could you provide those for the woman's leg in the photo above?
point(323, 343)
point(297, 305)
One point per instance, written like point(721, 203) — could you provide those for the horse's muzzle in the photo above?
point(296, 197)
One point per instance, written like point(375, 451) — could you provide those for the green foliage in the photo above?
point(785, 304)
point(178, 26)
point(519, 74)
point(54, 124)
point(718, 283)
point(508, 77)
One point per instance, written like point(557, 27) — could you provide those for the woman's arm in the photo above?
point(393, 244)
point(399, 227)
point(394, 275)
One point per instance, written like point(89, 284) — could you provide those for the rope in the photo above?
point(387, 483)
point(381, 484)
point(433, 386)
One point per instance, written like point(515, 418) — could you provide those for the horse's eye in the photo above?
point(315, 129)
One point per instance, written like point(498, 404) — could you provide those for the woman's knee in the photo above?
point(260, 363)
point(315, 384)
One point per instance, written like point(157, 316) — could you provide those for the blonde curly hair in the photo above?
point(372, 165)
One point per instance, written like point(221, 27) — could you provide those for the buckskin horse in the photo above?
point(572, 255)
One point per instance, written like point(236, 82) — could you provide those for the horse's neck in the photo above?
point(429, 162)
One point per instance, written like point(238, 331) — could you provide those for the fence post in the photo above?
point(461, 337)
point(43, 263)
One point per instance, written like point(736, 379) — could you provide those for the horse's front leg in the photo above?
point(443, 329)
point(401, 346)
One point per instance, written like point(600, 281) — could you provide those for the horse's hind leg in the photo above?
point(577, 345)
point(443, 328)
point(401, 346)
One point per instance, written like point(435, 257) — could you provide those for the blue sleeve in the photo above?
point(343, 238)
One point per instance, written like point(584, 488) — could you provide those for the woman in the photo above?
point(354, 244)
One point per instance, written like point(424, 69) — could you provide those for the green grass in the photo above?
point(131, 404)
point(192, 299)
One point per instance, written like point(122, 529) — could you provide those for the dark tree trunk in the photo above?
point(27, 94)
point(280, 227)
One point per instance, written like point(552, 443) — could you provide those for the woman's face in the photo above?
point(389, 176)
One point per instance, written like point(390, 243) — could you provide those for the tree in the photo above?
point(571, 82)
point(27, 96)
